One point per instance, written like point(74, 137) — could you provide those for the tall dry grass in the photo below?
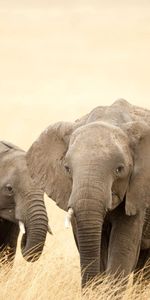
point(58, 278)
point(56, 275)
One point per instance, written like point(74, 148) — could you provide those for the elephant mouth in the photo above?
point(8, 214)
point(115, 200)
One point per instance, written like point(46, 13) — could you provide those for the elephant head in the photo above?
point(21, 204)
point(91, 169)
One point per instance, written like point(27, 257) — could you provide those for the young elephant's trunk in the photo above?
point(35, 231)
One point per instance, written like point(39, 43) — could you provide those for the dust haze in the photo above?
point(60, 59)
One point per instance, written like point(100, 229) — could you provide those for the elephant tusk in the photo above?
point(68, 218)
point(49, 229)
point(22, 227)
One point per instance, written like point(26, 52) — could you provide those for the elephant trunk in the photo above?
point(89, 208)
point(89, 224)
point(36, 227)
point(89, 200)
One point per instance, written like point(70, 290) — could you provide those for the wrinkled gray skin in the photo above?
point(100, 167)
point(20, 200)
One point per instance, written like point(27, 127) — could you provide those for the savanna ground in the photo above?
point(58, 60)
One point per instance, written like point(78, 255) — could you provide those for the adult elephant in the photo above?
point(99, 169)
point(21, 204)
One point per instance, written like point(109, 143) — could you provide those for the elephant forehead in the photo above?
point(13, 161)
point(15, 174)
point(98, 133)
point(7, 176)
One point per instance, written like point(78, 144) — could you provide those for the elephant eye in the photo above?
point(67, 169)
point(9, 189)
point(119, 170)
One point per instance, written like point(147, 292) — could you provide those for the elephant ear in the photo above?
point(3, 148)
point(10, 146)
point(138, 192)
point(7, 146)
point(45, 160)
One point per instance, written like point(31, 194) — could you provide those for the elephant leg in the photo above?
point(104, 246)
point(8, 240)
point(124, 244)
point(144, 263)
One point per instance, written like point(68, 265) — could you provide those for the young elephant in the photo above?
point(21, 204)
point(99, 169)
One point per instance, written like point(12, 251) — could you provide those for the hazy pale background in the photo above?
point(59, 59)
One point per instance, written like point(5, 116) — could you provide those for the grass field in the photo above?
point(56, 275)
point(49, 277)
point(58, 60)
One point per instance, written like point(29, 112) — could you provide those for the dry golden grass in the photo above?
point(56, 275)
point(58, 278)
